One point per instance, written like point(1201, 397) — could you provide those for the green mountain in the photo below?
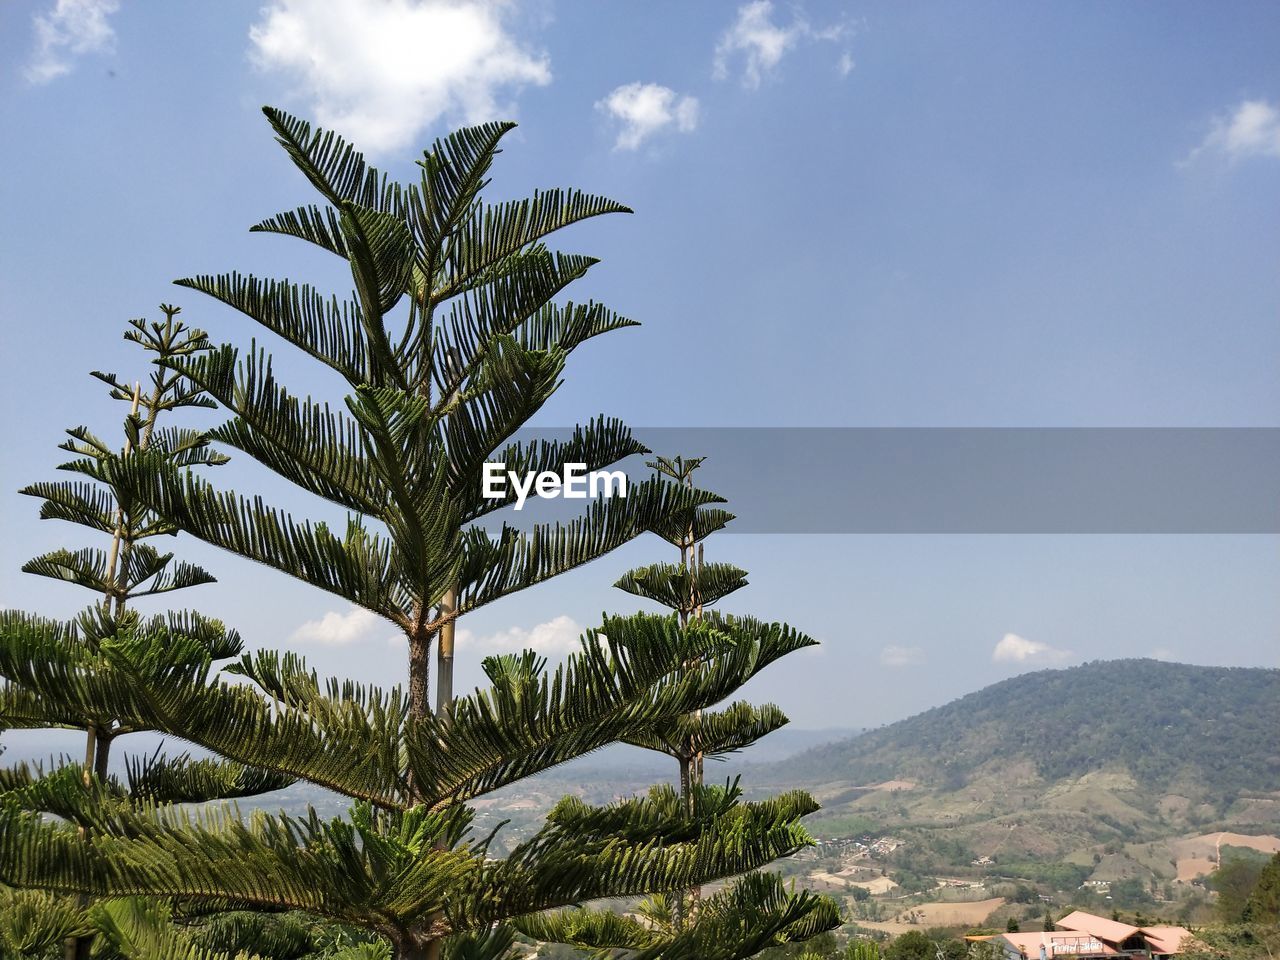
point(1166, 724)
point(1062, 764)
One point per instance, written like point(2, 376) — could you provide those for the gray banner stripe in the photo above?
point(973, 480)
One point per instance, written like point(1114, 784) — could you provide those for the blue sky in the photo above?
point(878, 214)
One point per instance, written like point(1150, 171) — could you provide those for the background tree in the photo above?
point(912, 945)
point(1234, 882)
point(822, 947)
point(1263, 905)
point(129, 567)
point(1246, 941)
point(434, 391)
point(689, 588)
point(985, 950)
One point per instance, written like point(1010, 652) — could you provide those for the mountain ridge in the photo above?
point(1169, 725)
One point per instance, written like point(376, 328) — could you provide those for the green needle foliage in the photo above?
point(448, 343)
point(129, 567)
point(451, 340)
point(37, 924)
point(689, 587)
point(754, 912)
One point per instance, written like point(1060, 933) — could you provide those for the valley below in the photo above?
point(1029, 798)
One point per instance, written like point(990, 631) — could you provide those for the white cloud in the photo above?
point(646, 109)
point(338, 629)
point(558, 636)
point(758, 39)
point(1252, 129)
point(70, 28)
point(895, 656)
point(381, 71)
point(1164, 653)
point(553, 638)
point(760, 43)
point(1015, 649)
point(845, 66)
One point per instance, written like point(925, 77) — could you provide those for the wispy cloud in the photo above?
point(67, 30)
point(1251, 129)
point(646, 109)
point(382, 71)
point(339, 629)
point(1015, 649)
point(897, 657)
point(757, 42)
point(557, 636)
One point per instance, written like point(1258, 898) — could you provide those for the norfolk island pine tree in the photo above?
point(127, 568)
point(432, 397)
point(689, 588)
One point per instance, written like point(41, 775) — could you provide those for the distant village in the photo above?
point(863, 846)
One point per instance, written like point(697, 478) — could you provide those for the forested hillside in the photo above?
point(1169, 725)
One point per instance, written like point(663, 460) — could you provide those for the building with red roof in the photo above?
point(1085, 936)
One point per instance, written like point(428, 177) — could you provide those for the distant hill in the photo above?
point(625, 763)
point(1211, 731)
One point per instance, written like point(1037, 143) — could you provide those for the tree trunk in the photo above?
point(420, 674)
point(696, 779)
point(679, 906)
point(444, 655)
point(113, 558)
point(90, 750)
point(77, 948)
point(413, 950)
point(444, 709)
point(103, 755)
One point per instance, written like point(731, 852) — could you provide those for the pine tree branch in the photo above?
point(361, 567)
point(631, 674)
point(333, 166)
point(497, 309)
point(568, 863)
point(327, 329)
point(497, 231)
point(310, 445)
point(673, 585)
